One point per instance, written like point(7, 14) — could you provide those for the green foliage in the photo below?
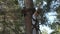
point(10, 17)
point(12, 21)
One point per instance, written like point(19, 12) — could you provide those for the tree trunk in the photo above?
point(28, 11)
point(29, 3)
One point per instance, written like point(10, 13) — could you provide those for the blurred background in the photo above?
point(12, 20)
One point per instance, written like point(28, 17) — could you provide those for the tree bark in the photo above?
point(29, 3)
point(28, 24)
point(28, 11)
